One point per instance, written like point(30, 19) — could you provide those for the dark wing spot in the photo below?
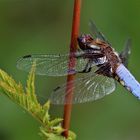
point(56, 88)
point(26, 56)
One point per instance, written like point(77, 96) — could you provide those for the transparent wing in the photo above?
point(124, 55)
point(88, 88)
point(54, 65)
point(96, 33)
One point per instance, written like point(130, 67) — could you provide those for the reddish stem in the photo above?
point(72, 61)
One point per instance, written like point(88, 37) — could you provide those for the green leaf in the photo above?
point(30, 90)
point(50, 129)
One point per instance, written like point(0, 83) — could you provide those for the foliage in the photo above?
point(49, 129)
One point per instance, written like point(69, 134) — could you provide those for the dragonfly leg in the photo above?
point(86, 69)
point(105, 69)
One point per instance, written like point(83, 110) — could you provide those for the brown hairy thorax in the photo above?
point(112, 56)
point(100, 49)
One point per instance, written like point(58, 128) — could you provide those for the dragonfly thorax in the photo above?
point(100, 52)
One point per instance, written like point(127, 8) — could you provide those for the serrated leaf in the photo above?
point(50, 129)
point(31, 86)
point(46, 106)
point(55, 122)
point(72, 136)
point(50, 136)
point(58, 129)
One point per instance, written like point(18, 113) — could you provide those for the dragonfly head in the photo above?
point(86, 42)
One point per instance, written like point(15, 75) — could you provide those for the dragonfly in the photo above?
point(98, 67)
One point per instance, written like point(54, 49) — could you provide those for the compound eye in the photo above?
point(85, 38)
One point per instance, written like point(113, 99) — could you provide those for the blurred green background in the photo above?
point(44, 26)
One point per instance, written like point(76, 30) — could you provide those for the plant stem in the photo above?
point(72, 62)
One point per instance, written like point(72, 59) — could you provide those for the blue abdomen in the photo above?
point(128, 80)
